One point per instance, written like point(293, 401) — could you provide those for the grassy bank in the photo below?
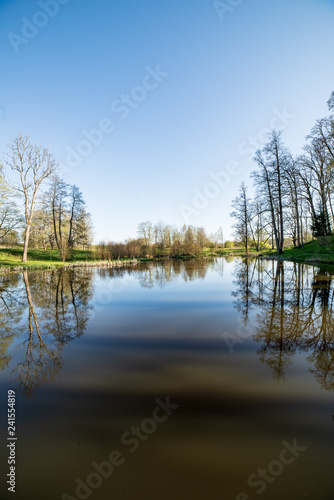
point(319, 251)
point(11, 258)
point(316, 252)
point(39, 258)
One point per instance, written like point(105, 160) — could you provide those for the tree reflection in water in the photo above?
point(49, 310)
point(294, 312)
point(160, 274)
point(292, 304)
point(12, 307)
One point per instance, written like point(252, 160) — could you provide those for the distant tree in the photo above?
point(201, 238)
point(145, 232)
point(159, 233)
point(219, 236)
point(167, 235)
point(189, 240)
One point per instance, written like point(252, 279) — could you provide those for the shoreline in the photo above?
point(7, 269)
point(312, 261)
point(67, 265)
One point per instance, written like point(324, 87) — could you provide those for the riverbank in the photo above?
point(11, 260)
point(39, 259)
point(320, 251)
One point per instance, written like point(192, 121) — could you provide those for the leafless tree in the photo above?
point(10, 217)
point(270, 180)
point(145, 232)
point(241, 213)
point(32, 165)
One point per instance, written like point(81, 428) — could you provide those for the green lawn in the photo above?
point(317, 251)
point(38, 258)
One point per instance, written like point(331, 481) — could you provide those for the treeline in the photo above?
point(294, 195)
point(161, 240)
point(53, 217)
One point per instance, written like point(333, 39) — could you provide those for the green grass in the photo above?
point(38, 258)
point(317, 251)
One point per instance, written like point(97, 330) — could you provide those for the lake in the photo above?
point(202, 379)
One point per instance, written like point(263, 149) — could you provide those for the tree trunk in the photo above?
point(330, 204)
point(26, 243)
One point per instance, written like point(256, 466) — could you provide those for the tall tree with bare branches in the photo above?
point(242, 214)
point(32, 165)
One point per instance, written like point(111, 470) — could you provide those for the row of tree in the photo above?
point(293, 194)
point(157, 240)
point(53, 217)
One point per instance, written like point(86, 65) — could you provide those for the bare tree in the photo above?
point(145, 232)
point(278, 158)
point(330, 102)
point(32, 164)
point(56, 202)
point(201, 238)
point(158, 231)
point(77, 211)
point(270, 180)
point(295, 202)
point(10, 216)
point(219, 236)
point(241, 213)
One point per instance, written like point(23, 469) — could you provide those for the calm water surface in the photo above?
point(198, 380)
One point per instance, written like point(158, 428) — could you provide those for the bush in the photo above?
point(229, 244)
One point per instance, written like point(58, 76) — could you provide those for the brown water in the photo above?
point(185, 380)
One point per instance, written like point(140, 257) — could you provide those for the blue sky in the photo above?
point(202, 87)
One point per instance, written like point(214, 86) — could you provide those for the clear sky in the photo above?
point(181, 89)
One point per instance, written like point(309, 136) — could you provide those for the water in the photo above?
point(184, 380)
